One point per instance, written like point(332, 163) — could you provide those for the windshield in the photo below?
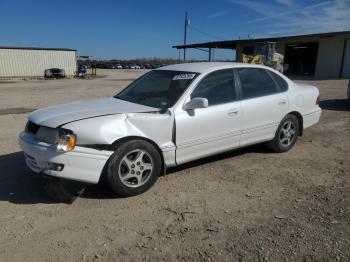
point(158, 88)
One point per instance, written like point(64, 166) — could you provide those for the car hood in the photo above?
point(55, 116)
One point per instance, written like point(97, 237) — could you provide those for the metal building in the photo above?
point(27, 62)
point(323, 56)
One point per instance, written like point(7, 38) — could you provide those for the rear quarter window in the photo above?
point(281, 83)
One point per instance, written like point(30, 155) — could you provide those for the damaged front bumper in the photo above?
point(81, 164)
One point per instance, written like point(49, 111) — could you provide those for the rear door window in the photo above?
point(256, 82)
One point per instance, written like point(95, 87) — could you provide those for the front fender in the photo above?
point(108, 129)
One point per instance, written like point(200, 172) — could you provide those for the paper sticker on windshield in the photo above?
point(184, 77)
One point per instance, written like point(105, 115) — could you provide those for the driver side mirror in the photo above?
point(197, 102)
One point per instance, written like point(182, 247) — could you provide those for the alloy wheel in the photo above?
point(135, 168)
point(287, 134)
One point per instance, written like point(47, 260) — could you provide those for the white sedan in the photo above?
point(167, 117)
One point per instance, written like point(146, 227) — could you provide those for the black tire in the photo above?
point(61, 73)
point(48, 73)
point(280, 144)
point(124, 160)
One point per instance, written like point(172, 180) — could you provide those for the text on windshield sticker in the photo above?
point(184, 77)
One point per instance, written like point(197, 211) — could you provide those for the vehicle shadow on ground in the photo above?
point(101, 191)
point(259, 148)
point(19, 185)
point(336, 105)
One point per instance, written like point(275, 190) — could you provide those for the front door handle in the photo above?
point(233, 112)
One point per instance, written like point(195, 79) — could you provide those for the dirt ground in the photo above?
point(246, 205)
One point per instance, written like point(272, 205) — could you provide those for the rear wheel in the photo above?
point(286, 135)
point(133, 168)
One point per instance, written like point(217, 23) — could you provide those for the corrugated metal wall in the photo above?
point(32, 63)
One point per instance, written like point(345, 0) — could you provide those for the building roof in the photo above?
point(231, 44)
point(37, 48)
point(205, 67)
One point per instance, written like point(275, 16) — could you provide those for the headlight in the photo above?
point(66, 142)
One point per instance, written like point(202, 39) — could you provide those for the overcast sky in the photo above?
point(140, 28)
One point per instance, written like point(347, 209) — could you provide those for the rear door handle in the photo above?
point(233, 112)
point(282, 102)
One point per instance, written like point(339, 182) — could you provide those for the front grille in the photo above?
point(32, 127)
point(46, 134)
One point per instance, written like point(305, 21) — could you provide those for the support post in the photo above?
point(209, 55)
point(185, 35)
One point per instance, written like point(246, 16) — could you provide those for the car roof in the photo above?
point(205, 67)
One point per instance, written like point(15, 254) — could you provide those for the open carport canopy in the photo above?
point(229, 44)
point(232, 44)
point(225, 44)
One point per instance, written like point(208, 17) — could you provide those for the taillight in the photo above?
point(318, 100)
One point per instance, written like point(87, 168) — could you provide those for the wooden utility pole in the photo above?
point(187, 22)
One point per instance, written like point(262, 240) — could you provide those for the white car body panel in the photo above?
point(180, 135)
point(302, 100)
point(221, 133)
point(81, 164)
point(261, 117)
point(57, 115)
point(108, 129)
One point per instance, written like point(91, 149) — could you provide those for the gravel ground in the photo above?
point(246, 205)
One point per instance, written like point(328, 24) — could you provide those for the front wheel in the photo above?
point(286, 135)
point(133, 168)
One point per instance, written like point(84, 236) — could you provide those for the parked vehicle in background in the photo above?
point(167, 117)
point(102, 66)
point(118, 66)
point(133, 66)
point(55, 73)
